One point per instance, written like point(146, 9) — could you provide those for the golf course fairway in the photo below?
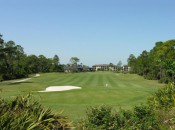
point(97, 88)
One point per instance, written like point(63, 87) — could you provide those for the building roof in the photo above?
point(107, 65)
point(101, 65)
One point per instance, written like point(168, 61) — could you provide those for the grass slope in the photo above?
point(123, 90)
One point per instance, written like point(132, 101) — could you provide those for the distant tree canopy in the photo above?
point(157, 64)
point(14, 63)
point(119, 65)
point(74, 60)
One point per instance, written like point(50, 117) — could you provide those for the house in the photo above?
point(104, 67)
point(110, 67)
point(113, 68)
point(76, 68)
point(68, 68)
point(125, 68)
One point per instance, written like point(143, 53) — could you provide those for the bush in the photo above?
point(7, 77)
point(163, 103)
point(98, 117)
point(25, 113)
point(149, 76)
point(142, 117)
point(1, 79)
point(164, 98)
point(145, 118)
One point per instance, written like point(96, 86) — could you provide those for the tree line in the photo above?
point(14, 63)
point(157, 64)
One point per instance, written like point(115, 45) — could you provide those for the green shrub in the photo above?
point(142, 117)
point(1, 79)
point(163, 103)
point(164, 98)
point(23, 113)
point(145, 118)
point(149, 76)
point(99, 117)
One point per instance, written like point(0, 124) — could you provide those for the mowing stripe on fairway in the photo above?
point(123, 90)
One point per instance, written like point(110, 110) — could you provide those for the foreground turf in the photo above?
point(124, 90)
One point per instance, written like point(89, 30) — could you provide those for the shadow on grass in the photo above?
point(15, 83)
point(20, 83)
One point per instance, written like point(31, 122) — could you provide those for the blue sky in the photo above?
point(95, 31)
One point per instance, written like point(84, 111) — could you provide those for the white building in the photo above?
point(104, 67)
point(126, 68)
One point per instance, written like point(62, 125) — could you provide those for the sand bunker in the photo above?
point(23, 80)
point(37, 75)
point(60, 88)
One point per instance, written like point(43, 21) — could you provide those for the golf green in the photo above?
point(114, 89)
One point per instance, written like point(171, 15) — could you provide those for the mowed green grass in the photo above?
point(124, 90)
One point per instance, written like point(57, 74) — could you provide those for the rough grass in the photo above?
point(124, 90)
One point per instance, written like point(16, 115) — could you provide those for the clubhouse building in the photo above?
point(104, 67)
point(108, 67)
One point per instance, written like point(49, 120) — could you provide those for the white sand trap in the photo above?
point(23, 80)
point(60, 88)
point(37, 75)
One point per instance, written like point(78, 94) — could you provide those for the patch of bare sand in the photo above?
point(60, 88)
point(37, 75)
